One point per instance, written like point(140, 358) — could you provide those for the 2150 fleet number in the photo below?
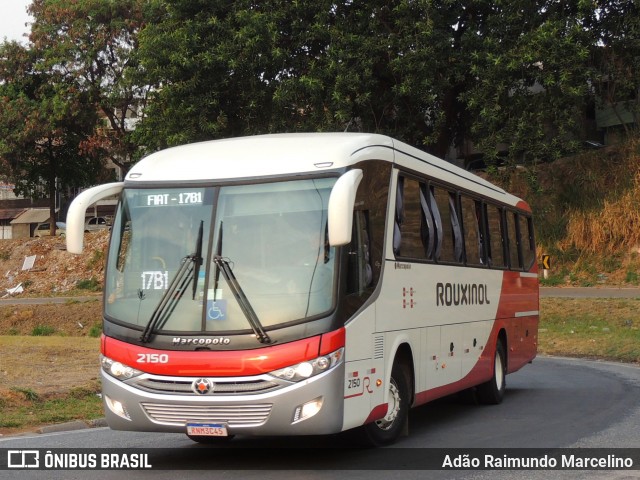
point(153, 358)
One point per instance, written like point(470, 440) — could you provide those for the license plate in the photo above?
point(207, 429)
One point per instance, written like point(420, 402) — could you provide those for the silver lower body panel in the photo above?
point(269, 413)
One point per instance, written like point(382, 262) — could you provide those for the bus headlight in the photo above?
point(310, 368)
point(117, 369)
point(308, 410)
point(117, 407)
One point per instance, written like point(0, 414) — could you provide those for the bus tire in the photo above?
point(492, 392)
point(386, 430)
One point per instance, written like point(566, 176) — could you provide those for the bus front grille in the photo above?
point(184, 386)
point(233, 415)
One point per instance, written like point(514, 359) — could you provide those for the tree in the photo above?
point(617, 59)
point(532, 86)
point(507, 74)
point(92, 45)
point(44, 127)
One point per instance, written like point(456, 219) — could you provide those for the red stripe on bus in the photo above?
point(521, 332)
point(212, 363)
point(332, 341)
point(377, 413)
point(480, 373)
point(517, 294)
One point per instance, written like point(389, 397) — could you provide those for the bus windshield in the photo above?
point(271, 237)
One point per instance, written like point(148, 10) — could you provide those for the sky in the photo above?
point(13, 16)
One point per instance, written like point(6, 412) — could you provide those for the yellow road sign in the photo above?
point(546, 262)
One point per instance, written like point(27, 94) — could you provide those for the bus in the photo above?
point(305, 284)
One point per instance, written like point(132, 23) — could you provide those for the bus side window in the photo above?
point(471, 218)
point(527, 241)
point(515, 257)
point(437, 221)
point(496, 245)
point(359, 273)
point(399, 216)
point(451, 233)
point(413, 230)
point(455, 226)
point(427, 229)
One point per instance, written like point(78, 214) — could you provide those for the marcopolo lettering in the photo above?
point(448, 294)
point(201, 341)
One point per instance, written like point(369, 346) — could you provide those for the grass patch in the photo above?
point(593, 328)
point(95, 331)
point(24, 413)
point(28, 393)
point(91, 284)
point(58, 383)
point(42, 331)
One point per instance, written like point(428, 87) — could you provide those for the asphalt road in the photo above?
point(552, 403)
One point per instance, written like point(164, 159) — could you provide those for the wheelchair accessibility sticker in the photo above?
point(216, 309)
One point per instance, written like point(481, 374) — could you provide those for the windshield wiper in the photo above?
point(189, 268)
point(197, 259)
point(241, 298)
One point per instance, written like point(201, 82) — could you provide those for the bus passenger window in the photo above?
point(451, 233)
point(515, 257)
point(496, 243)
point(427, 229)
point(411, 229)
point(437, 224)
point(527, 241)
point(455, 226)
point(472, 237)
point(399, 216)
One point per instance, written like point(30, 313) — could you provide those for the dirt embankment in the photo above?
point(40, 348)
point(54, 271)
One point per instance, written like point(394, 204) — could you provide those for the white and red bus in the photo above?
point(307, 284)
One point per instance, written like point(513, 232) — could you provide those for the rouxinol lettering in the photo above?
point(448, 294)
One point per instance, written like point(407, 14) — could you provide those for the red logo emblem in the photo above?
point(202, 386)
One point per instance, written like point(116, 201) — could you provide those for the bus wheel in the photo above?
point(492, 392)
point(387, 430)
point(210, 440)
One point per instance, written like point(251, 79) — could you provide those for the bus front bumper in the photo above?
point(279, 412)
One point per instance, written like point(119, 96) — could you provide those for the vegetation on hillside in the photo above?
point(587, 213)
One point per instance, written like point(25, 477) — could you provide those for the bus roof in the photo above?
point(297, 153)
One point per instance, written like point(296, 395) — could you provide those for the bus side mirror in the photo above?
point(340, 209)
point(78, 208)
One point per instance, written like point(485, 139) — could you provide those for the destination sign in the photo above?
point(183, 197)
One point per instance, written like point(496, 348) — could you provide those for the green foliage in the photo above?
point(516, 78)
point(91, 284)
point(78, 70)
point(596, 328)
point(29, 394)
point(512, 73)
point(81, 403)
point(632, 277)
point(42, 331)
point(95, 331)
